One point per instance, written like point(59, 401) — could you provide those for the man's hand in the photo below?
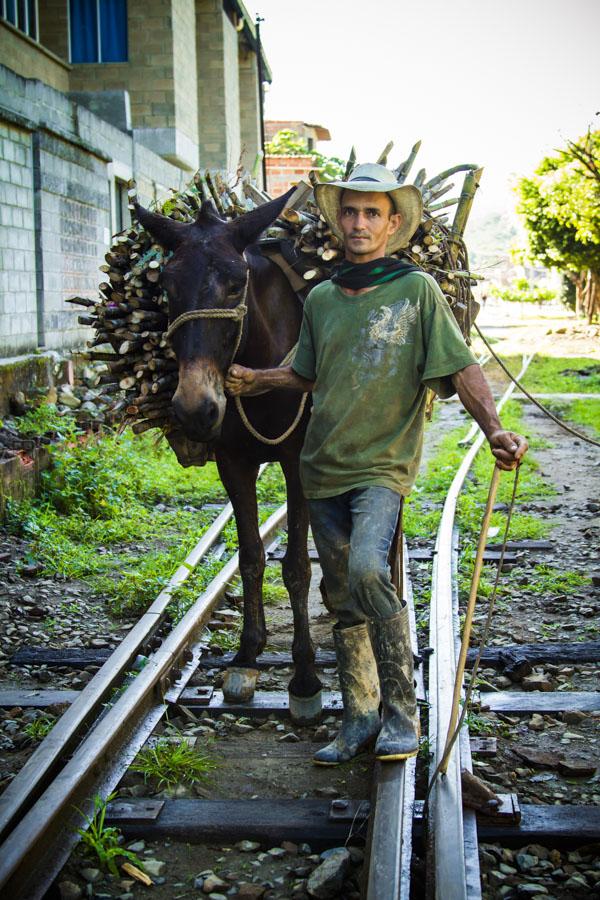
point(240, 380)
point(508, 448)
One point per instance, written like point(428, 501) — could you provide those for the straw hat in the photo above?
point(373, 177)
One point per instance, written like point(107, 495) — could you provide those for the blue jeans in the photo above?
point(353, 533)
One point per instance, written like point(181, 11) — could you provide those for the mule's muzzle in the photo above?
point(199, 402)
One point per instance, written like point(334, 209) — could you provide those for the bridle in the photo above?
point(238, 314)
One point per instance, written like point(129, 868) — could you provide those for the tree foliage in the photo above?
point(287, 143)
point(560, 208)
point(521, 291)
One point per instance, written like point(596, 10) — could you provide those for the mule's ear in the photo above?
point(248, 227)
point(165, 231)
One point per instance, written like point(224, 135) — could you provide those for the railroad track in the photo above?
point(92, 745)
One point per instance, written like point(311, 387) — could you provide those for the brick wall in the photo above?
point(57, 160)
point(18, 317)
point(285, 171)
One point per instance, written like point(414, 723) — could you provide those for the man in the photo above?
point(372, 340)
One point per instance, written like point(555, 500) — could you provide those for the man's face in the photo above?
point(367, 220)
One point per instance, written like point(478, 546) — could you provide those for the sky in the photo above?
point(500, 83)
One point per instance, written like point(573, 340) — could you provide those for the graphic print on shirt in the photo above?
point(385, 330)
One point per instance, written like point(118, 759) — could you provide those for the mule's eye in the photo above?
point(234, 292)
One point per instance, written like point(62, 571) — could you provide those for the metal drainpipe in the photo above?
point(37, 225)
point(261, 100)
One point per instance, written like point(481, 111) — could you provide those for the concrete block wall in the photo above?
point(57, 161)
point(18, 309)
point(218, 86)
point(249, 107)
point(30, 59)
point(159, 76)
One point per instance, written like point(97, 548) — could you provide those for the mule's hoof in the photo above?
point(239, 684)
point(305, 710)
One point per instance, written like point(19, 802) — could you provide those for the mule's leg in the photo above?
point(305, 686)
point(239, 478)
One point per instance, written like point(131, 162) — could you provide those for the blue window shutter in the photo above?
point(84, 31)
point(11, 11)
point(113, 30)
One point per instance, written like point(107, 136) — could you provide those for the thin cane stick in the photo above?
point(468, 624)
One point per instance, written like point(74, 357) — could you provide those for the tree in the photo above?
point(521, 291)
point(560, 208)
point(287, 143)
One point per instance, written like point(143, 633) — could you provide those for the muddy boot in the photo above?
point(399, 735)
point(360, 693)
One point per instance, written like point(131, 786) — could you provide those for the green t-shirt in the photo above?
point(372, 357)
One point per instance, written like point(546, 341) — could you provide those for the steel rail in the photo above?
point(391, 820)
point(451, 836)
point(41, 842)
point(45, 761)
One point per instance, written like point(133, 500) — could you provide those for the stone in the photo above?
point(576, 882)
point(277, 852)
point(91, 875)
point(330, 792)
point(526, 862)
point(249, 891)
point(531, 890)
point(536, 723)
point(242, 729)
point(290, 847)
point(357, 855)
point(247, 846)
point(537, 757)
point(537, 682)
point(321, 733)
point(577, 767)
point(69, 890)
point(137, 846)
point(289, 738)
point(154, 867)
point(327, 879)
point(213, 883)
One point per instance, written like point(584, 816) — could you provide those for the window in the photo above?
point(98, 31)
point(22, 14)
point(121, 215)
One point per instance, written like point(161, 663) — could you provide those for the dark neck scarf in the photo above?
point(378, 271)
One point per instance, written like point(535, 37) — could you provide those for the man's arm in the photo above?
point(243, 381)
point(475, 395)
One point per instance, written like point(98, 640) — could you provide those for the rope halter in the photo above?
point(237, 313)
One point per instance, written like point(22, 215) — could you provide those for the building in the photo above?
point(92, 94)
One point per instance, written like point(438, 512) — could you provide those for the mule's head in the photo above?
point(207, 270)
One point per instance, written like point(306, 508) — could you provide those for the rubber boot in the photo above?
point(399, 735)
point(357, 673)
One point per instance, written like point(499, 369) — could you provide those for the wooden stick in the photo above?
point(468, 623)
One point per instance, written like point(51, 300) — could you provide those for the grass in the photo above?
point(560, 374)
point(103, 843)
point(171, 762)
point(584, 413)
point(39, 728)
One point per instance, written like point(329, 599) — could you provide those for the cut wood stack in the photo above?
point(130, 316)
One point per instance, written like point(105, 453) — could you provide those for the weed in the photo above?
point(169, 762)
point(39, 728)
point(226, 640)
point(555, 374)
point(102, 841)
point(545, 579)
point(478, 724)
point(44, 420)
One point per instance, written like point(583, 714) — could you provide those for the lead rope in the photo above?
point(239, 313)
point(544, 409)
point(454, 729)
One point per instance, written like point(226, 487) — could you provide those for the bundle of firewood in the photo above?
point(130, 316)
